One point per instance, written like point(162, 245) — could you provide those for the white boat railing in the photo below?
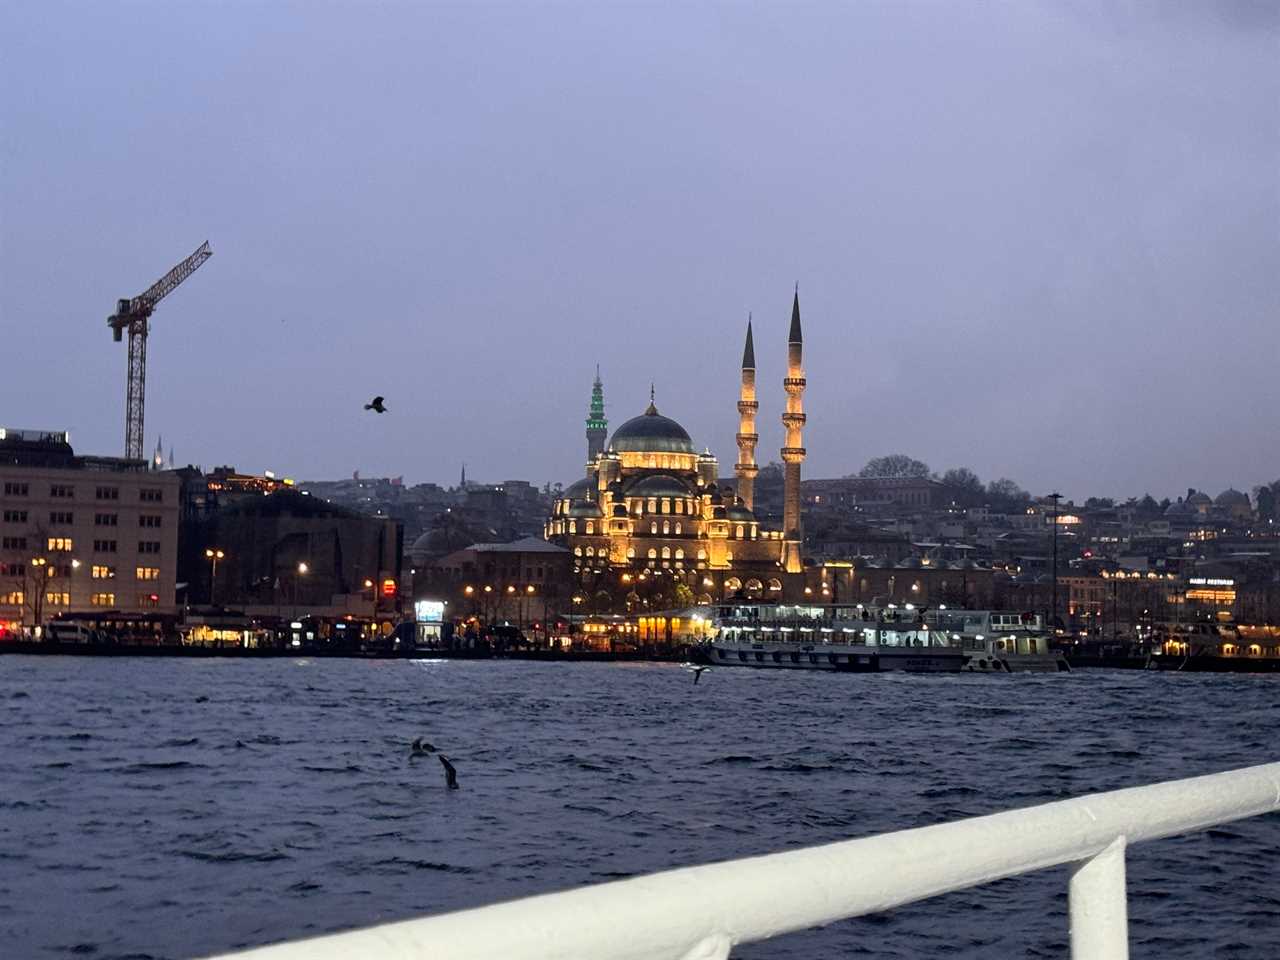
point(702, 912)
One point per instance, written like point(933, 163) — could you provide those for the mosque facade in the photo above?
point(650, 505)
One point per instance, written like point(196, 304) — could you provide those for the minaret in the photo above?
point(745, 469)
point(462, 484)
point(597, 425)
point(793, 449)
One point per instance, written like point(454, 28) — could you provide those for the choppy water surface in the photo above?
point(165, 808)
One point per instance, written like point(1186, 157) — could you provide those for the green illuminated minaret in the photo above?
point(597, 425)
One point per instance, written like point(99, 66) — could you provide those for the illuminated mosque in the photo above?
point(651, 504)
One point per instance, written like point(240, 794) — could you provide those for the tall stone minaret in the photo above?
point(745, 469)
point(597, 425)
point(793, 449)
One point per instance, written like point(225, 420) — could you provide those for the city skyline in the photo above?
point(1059, 268)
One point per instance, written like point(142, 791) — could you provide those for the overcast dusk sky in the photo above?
point(1041, 240)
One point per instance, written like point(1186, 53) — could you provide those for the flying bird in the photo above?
point(697, 670)
point(450, 774)
point(375, 405)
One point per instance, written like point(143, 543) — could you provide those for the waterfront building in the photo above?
point(264, 547)
point(650, 507)
point(82, 533)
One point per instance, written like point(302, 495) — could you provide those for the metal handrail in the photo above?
point(700, 913)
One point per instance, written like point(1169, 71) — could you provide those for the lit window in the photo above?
point(58, 598)
point(653, 526)
point(14, 599)
point(103, 573)
point(147, 573)
point(666, 553)
point(653, 554)
point(103, 599)
point(679, 554)
point(679, 528)
point(740, 531)
point(591, 527)
point(666, 526)
point(59, 543)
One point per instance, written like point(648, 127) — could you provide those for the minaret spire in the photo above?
point(745, 469)
point(597, 424)
point(793, 451)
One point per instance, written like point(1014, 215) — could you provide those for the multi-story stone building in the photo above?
point(80, 533)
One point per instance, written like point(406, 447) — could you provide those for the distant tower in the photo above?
point(157, 459)
point(462, 484)
point(745, 469)
point(793, 450)
point(597, 425)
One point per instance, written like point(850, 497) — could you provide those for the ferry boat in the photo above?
point(829, 637)
point(996, 641)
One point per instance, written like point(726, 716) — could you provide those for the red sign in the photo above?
point(388, 588)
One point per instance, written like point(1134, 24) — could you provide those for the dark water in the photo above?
point(164, 808)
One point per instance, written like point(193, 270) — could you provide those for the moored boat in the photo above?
point(829, 637)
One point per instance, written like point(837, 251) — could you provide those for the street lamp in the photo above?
point(1053, 616)
point(373, 594)
point(41, 566)
point(213, 554)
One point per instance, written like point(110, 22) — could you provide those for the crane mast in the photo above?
point(134, 315)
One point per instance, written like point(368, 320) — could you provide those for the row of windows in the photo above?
point(112, 546)
point(13, 569)
point(13, 488)
point(13, 543)
point(62, 598)
point(15, 516)
point(61, 517)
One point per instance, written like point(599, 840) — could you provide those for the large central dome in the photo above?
point(651, 432)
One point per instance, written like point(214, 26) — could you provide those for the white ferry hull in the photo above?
point(843, 657)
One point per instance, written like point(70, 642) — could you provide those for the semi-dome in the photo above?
point(739, 511)
point(584, 489)
point(1231, 496)
point(659, 485)
point(651, 432)
point(585, 508)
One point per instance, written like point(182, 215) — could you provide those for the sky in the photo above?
point(1038, 240)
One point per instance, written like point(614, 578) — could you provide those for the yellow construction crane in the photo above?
point(134, 315)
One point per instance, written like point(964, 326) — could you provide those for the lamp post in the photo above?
point(373, 601)
point(40, 579)
point(1053, 603)
point(528, 592)
point(303, 569)
point(213, 555)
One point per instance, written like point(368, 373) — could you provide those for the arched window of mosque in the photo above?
point(591, 551)
point(653, 554)
point(631, 553)
point(653, 504)
point(666, 526)
point(733, 584)
point(666, 505)
point(666, 553)
point(591, 527)
point(775, 585)
point(702, 554)
point(679, 554)
point(577, 551)
point(653, 526)
point(679, 528)
point(679, 506)
point(754, 532)
point(740, 531)
point(637, 506)
point(573, 526)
